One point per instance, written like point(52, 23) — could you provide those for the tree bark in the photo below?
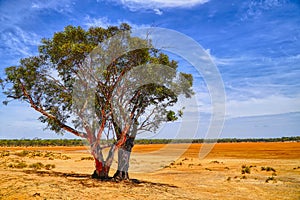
point(103, 167)
point(123, 159)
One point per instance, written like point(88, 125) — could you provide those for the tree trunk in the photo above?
point(101, 171)
point(103, 167)
point(123, 159)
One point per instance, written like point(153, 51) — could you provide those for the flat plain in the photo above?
point(173, 171)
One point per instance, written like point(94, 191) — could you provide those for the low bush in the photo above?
point(37, 165)
point(268, 169)
point(18, 165)
point(87, 158)
point(49, 166)
point(245, 169)
point(270, 179)
point(22, 153)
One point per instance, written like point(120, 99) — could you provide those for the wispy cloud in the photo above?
point(271, 105)
point(14, 42)
point(105, 22)
point(157, 5)
point(61, 6)
point(256, 8)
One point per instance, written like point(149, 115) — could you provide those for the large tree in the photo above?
point(97, 83)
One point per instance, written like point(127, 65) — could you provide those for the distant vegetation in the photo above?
point(78, 142)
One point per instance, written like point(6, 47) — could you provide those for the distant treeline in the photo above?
point(78, 142)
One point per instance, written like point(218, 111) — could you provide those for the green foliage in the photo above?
point(37, 165)
point(4, 154)
point(22, 153)
point(49, 166)
point(18, 165)
point(79, 142)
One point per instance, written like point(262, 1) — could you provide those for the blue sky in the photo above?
point(255, 45)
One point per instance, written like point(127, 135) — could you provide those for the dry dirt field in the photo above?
point(230, 171)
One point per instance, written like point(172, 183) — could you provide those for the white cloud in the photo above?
point(157, 11)
point(97, 22)
point(59, 6)
point(254, 9)
point(271, 105)
point(105, 22)
point(135, 5)
point(18, 42)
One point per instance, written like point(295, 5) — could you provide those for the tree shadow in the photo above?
point(88, 177)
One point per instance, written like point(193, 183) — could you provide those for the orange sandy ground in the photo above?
point(164, 172)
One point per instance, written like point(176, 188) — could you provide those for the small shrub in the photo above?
point(37, 154)
point(244, 177)
point(49, 166)
point(37, 165)
point(64, 157)
point(18, 165)
point(190, 165)
point(268, 169)
point(270, 179)
point(22, 153)
point(229, 178)
point(4, 153)
point(245, 169)
point(87, 158)
point(208, 169)
point(21, 165)
point(215, 161)
point(297, 167)
point(48, 154)
point(185, 159)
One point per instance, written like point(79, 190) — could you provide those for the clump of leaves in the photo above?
point(245, 169)
point(37, 165)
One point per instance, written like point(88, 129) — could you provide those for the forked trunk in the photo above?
point(103, 167)
point(123, 159)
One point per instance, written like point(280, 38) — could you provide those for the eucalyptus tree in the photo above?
point(100, 84)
